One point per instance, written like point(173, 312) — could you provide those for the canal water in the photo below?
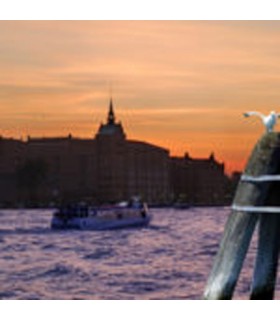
point(170, 259)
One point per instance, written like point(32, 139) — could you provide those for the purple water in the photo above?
point(171, 259)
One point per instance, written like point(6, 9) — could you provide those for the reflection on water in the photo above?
point(171, 259)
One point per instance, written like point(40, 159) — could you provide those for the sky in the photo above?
point(182, 85)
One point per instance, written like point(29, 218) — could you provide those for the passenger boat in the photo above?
point(122, 215)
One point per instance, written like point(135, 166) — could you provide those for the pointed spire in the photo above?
point(212, 156)
point(111, 115)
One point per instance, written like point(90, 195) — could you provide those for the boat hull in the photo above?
point(97, 223)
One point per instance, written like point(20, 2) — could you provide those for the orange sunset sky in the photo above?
point(182, 85)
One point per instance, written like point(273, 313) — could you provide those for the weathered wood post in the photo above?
point(269, 239)
point(251, 201)
point(267, 258)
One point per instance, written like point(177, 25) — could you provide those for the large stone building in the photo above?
point(108, 168)
point(126, 167)
point(10, 157)
point(199, 181)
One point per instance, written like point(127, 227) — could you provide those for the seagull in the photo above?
point(268, 121)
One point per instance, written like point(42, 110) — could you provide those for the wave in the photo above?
point(99, 253)
point(63, 270)
point(7, 295)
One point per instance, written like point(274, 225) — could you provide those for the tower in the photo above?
point(111, 128)
point(111, 114)
point(110, 159)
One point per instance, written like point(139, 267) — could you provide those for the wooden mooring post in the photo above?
point(257, 199)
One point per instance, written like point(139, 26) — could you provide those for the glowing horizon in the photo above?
point(182, 85)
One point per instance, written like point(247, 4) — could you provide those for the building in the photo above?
point(10, 156)
point(108, 168)
point(199, 181)
point(127, 168)
point(64, 169)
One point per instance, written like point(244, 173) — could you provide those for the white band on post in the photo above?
point(253, 209)
point(263, 178)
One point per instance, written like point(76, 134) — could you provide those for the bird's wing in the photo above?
point(254, 113)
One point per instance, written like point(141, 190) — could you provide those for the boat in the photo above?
point(83, 217)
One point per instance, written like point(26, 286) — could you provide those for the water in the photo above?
point(170, 259)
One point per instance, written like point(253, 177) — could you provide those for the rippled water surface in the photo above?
point(170, 259)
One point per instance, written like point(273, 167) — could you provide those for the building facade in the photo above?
point(127, 168)
point(199, 181)
point(108, 168)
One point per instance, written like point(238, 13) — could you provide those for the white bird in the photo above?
point(268, 121)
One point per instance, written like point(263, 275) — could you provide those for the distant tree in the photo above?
point(30, 177)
